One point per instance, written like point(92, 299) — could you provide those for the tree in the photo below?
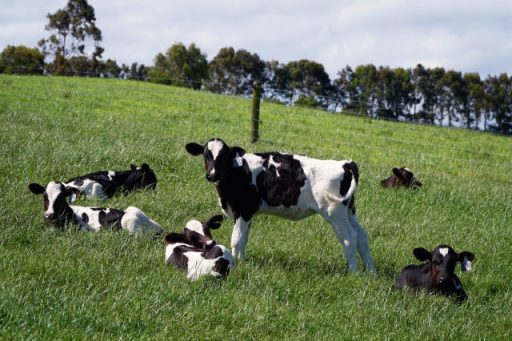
point(181, 66)
point(344, 89)
point(21, 60)
point(364, 81)
point(309, 79)
point(72, 28)
point(234, 72)
point(476, 99)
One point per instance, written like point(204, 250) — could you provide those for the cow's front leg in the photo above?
point(239, 237)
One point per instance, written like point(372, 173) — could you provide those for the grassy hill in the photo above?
point(294, 284)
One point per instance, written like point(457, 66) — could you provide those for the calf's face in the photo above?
point(198, 233)
point(218, 157)
point(54, 200)
point(442, 261)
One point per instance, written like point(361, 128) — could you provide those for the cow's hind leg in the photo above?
point(362, 242)
point(346, 235)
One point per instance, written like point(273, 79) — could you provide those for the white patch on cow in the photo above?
point(111, 174)
point(169, 249)
point(199, 266)
point(255, 164)
point(271, 162)
point(52, 191)
point(196, 226)
point(93, 218)
point(466, 264)
point(215, 147)
point(444, 251)
point(90, 188)
point(407, 169)
point(134, 220)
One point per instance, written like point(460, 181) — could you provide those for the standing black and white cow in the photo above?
point(287, 185)
point(57, 212)
point(105, 184)
point(437, 274)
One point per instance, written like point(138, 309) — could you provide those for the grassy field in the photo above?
point(294, 283)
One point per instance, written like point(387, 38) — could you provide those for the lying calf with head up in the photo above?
point(105, 184)
point(57, 212)
point(437, 274)
point(402, 177)
point(194, 250)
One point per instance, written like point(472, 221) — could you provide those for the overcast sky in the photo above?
point(465, 35)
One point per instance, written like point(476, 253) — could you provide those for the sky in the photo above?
point(464, 35)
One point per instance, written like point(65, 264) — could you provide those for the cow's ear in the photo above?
point(466, 254)
point(194, 148)
point(145, 167)
point(465, 259)
point(422, 254)
point(397, 173)
point(174, 237)
point(238, 150)
point(36, 188)
point(133, 167)
point(214, 222)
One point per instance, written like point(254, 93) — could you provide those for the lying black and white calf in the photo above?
point(287, 185)
point(194, 250)
point(437, 274)
point(57, 212)
point(401, 177)
point(105, 184)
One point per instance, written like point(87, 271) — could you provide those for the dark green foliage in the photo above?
point(21, 60)
point(180, 66)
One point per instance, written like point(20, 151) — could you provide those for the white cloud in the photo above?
point(464, 35)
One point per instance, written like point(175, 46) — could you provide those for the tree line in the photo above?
point(419, 94)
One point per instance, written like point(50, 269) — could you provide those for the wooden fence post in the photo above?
point(256, 97)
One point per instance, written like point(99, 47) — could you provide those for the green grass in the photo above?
point(58, 284)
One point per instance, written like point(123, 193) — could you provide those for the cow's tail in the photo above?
point(348, 184)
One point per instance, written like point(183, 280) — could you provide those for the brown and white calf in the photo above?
point(401, 177)
point(194, 250)
point(105, 184)
point(287, 185)
point(438, 273)
point(57, 212)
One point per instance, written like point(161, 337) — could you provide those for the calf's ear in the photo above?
point(465, 259)
point(133, 167)
point(238, 150)
point(214, 222)
point(145, 167)
point(36, 188)
point(422, 254)
point(194, 148)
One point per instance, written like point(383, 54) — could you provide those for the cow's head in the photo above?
point(218, 157)
point(197, 233)
point(442, 263)
point(402, 177)
point(142, 176)
point(56, 209)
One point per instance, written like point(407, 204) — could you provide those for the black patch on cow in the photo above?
point(121, 181)
point(280, 186)
point(213, 253)
point(345, 184)
point(236, 191)
point(85, 217)
point(111, 219)
point(222, 266)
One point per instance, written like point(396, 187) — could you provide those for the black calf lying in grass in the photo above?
point(194, 250)
point(105, 184)
point(57, 212)
point(437, 274)
point(402, 177)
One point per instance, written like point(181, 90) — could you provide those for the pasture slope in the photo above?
point(58, 284)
